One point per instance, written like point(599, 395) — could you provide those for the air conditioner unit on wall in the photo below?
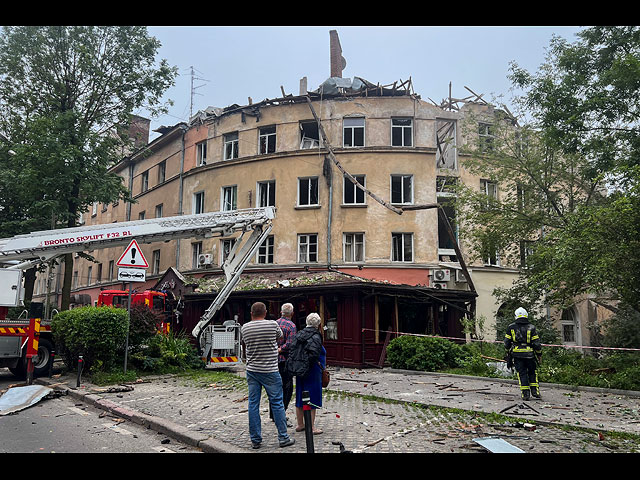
point(440, 285)
point(205, 259)
point(441, 275)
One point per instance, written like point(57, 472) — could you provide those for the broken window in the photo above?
point(155, 263)
point(145, 181)
point(353, 247)
point(446, 195)
point(267, 139)
point(526, 249)
point(198, 202)
point(331, 317)
point(490, 189)
point(308, 248)
point(267, 193)
point(401, 189)
point(446, 245)
point(446, 143)
point(162, 171)
point(227, 245)
point(402, 132)
point(201, 154)
point(568, 324)
point(309, 135)
point(490, 253)
point(229, 198)
point(353, 132)
point(265, 251)
point(196, 250)
point(231, 146)
point(352, 195)
point(402, 247)
point(307, 191)
point(485, 137)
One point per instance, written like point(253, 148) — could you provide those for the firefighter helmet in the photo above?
point(521, 312)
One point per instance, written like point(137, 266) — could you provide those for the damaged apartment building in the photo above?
point(369, 260)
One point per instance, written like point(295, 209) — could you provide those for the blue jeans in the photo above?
point(272, 383)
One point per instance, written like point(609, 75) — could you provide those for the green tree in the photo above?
point(569, 175)
point(67, 94)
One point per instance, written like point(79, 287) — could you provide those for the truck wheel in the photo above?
point(42, 361)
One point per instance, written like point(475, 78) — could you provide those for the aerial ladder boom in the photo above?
point(24, 251)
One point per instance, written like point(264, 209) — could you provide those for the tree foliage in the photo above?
point(569, 176)
point(67, 94)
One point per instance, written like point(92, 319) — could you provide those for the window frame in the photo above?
point(347, 184)
point(267, 251)
point(198, 202)
point(270, 187)
point(201, 154)
point(402, 129)
point(402, 176)
point(402, 244)
point(196, 250)
point(310, 179)
point(352, 129)
point(308, 243)
point(268, 140)
point(231, 145)
point(354, 243)
point(233, 190)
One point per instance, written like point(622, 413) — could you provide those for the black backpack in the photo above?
point(301, 355)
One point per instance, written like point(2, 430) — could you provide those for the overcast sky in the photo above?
point(233, 63)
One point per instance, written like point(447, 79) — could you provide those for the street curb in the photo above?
point(161, 425)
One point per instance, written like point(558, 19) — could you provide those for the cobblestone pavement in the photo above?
point(386, 411)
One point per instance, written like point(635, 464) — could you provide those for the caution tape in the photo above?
point(499, 342)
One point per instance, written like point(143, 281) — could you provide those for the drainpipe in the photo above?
point(180, 190)
point(326, 171)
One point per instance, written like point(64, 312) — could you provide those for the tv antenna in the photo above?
point(193, 88)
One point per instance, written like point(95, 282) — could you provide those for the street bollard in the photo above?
point(306, 413)
point(53, 355)
point(80, 366)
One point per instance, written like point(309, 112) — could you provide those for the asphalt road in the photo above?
point(64, 425)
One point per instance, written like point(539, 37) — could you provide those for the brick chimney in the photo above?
point(338, 63)
point(139, 130)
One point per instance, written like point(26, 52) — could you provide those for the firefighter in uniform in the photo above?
point(524, 351)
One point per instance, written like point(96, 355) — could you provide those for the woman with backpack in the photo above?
point(307, 358)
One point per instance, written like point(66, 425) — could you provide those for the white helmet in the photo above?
point(521, 312)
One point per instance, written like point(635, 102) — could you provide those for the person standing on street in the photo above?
point(289, 331)
point(307, 360)
point(523, 346)
point(259, 337)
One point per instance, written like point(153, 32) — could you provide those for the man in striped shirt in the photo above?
point(260, 340)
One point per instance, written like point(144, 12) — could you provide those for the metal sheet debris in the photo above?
point(497, 445)
point(19, 398)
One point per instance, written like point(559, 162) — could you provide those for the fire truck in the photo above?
point(26, 344)
point(154, 300)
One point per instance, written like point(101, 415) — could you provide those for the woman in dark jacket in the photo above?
point(310, 339)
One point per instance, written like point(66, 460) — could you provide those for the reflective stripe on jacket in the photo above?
point(522, 339)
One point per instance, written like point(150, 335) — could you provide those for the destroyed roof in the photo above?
point(290, 281)
point(333, 86)
point(273, 280)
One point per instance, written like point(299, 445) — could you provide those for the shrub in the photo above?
point(424, 353)
point(166, 353)
point(97, 333)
